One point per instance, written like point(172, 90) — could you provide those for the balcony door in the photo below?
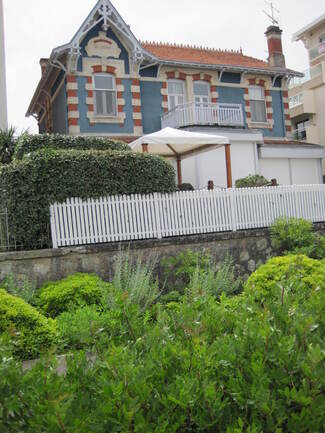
point(203, 111)
point(176, 93)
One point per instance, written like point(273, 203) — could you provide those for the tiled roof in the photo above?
point(208, 56)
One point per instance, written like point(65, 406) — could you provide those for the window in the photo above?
point(105, 95)
point(300, 132)
point(176, 93)
point(201, 91)
point(257, 103)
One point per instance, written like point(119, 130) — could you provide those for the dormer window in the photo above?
point(201, 91)
point(105, 100)
point(176, 93)
point(257, 104)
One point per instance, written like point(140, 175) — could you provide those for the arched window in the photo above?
point(201, 91)
point(176, 93)
point(105, 95)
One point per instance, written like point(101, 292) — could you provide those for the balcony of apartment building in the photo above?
point(204, 113)
point(317, 53)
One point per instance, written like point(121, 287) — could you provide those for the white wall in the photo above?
point(3, 95)
point(291, 171)
point(198, 170)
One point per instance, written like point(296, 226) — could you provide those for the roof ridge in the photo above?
point(189, 46)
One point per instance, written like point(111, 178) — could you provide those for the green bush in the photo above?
point(28, 187)
point(207, 366)
point(176, 272)
point(292, 270)
point(28, 143)
point(252, 181)
point(185, 187)
point(75, 291)
point(80, 329)
point(31, 332)
point(7, 145)
point(295, 235)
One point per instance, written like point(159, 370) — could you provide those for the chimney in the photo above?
point(274, 41)
point(43, 63)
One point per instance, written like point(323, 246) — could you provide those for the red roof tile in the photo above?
point(208, 56)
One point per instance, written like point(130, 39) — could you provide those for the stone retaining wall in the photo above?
point(248, 248)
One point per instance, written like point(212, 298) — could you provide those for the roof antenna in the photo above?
point(271, 15)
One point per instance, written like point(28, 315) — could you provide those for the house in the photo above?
point(3, 92)
point(106, 82)
point(307, 94)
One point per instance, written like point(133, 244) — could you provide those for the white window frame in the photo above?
point(202, 96)
point(261, 99)
point(176, 94)
point(113, 90)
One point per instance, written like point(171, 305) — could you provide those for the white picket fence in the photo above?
point(126, 218)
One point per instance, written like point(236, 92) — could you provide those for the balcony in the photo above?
point(309, 74)
point(203, 114)
point(317, 51)
point(296, 100)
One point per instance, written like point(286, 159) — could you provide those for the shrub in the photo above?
point(291, 271)
point(31, 332)
point(7, 145)
point(70, 293)
point(207, 366)
point(28, 143)
point(23, 288)
point(295, 235)
point(290, 233)
point(216, 282)
point(185, 187)
point(251, 181)
point(28, 187)
point(80, 329)
point(136, 280)
point(176, 272)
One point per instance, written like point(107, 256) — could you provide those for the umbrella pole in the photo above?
point(144, 148)
point(179, 170)
point(228, 165)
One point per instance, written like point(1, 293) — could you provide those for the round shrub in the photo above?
point(297, 272)
point(31, 332)
point(29, 186)
point(28, 143)
point(252, 181)
point(75, 291)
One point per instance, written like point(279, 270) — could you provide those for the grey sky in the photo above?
point(34, 27)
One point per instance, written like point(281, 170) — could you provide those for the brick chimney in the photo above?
point(274, 41)
point(43, 63)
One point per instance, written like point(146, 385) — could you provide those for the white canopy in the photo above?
point(171, 143)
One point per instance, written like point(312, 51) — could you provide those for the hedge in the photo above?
point(31, 332)
point(69, 294)
point(29, 186)
point(30, 143)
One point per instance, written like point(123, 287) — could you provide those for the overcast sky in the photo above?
point(34, 27)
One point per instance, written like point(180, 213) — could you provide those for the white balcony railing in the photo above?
point(296, 100)
point(309, 74)
point(316, 51)
point(204, 114)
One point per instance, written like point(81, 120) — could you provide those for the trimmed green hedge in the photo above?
point(29, 186)
point(31, 332)
point(75, 291)
point(30, 143)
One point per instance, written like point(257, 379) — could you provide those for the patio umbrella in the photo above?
point(180, 144)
